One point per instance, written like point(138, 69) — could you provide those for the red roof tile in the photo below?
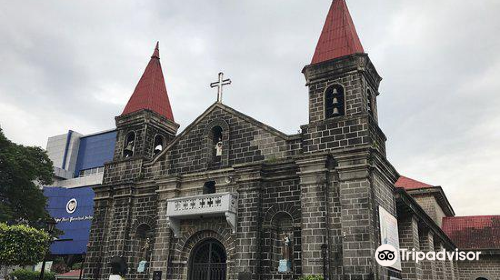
point(71, 273)
point(473, 232)
point(339, 37)
point(409, 184)
point(151, 92)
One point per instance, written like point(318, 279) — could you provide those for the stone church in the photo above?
point(233, 198)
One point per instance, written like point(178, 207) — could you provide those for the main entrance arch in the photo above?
point(208, 261)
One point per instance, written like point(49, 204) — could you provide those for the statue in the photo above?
point(143, 264)
point(285, 251)
point(218, 148)
point(145, 248)
point(285, 264)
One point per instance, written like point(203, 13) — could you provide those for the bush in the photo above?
point(311, 277)
point(23, 274)
point(76, 266)
point(22, 245)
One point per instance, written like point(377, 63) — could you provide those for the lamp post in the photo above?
point(51, 224)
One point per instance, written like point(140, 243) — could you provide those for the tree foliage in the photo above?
point(22, 245)
point(23, 274)
point(22, 170)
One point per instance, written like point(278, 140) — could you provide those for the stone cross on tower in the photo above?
point(219, 84)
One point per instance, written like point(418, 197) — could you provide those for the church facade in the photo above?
point(233, 198)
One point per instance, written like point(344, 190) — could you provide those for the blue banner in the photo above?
point(73, 211)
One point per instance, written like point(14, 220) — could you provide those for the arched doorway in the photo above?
point(208, 261)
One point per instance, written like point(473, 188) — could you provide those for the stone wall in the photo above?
point(244, 141)
point(115, 230)
point(431, 207)
point(280, 199)
point(487, 267)
point(146, 125)
point(409, 239)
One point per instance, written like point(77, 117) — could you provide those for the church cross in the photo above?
point(219, 84)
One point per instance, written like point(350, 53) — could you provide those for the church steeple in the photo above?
point(343, 88)
point(339, 37)
point(151, 92)
point(147, 124)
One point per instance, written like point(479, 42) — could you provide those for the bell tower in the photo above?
point(343, 86)
point(147, 123)
point(353, 180)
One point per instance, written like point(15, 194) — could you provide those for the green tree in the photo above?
point(22, 170)
point(22, 245)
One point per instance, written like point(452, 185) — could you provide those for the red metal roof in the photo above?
point(409, 184)
point(339, 36)
point(151, 92)
point(473, 232)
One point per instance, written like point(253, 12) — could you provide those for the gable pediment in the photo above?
point(243, 139)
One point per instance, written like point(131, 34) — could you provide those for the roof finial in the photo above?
point(156, 53)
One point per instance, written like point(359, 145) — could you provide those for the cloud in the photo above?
point(73, 65)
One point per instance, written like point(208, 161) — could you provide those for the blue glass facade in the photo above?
point(95, 150)
point(73, 210)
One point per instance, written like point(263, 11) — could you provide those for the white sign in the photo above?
point(389, 232)
point(38, 266)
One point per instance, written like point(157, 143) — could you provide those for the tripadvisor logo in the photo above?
point(387, 255)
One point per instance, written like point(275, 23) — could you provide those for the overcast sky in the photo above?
point(73, 65)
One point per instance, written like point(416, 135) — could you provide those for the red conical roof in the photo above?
point(339, 36)
point(151, 92)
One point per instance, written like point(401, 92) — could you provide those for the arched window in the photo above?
point(369, 101)
point(481, 278)
point(334, 101)
point(209, 187)
point(217, 148)
point(158, 145)
point(217, 143)
point(282, 242)
point(144, 231)
point(129, 145)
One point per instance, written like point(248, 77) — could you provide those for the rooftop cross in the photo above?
point(219, 84)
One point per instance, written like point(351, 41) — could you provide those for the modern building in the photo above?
point(78, 166)
point(233, 198)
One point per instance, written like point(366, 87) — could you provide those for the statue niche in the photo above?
point(145, 236)
point(282, 242)
point(217, 144)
